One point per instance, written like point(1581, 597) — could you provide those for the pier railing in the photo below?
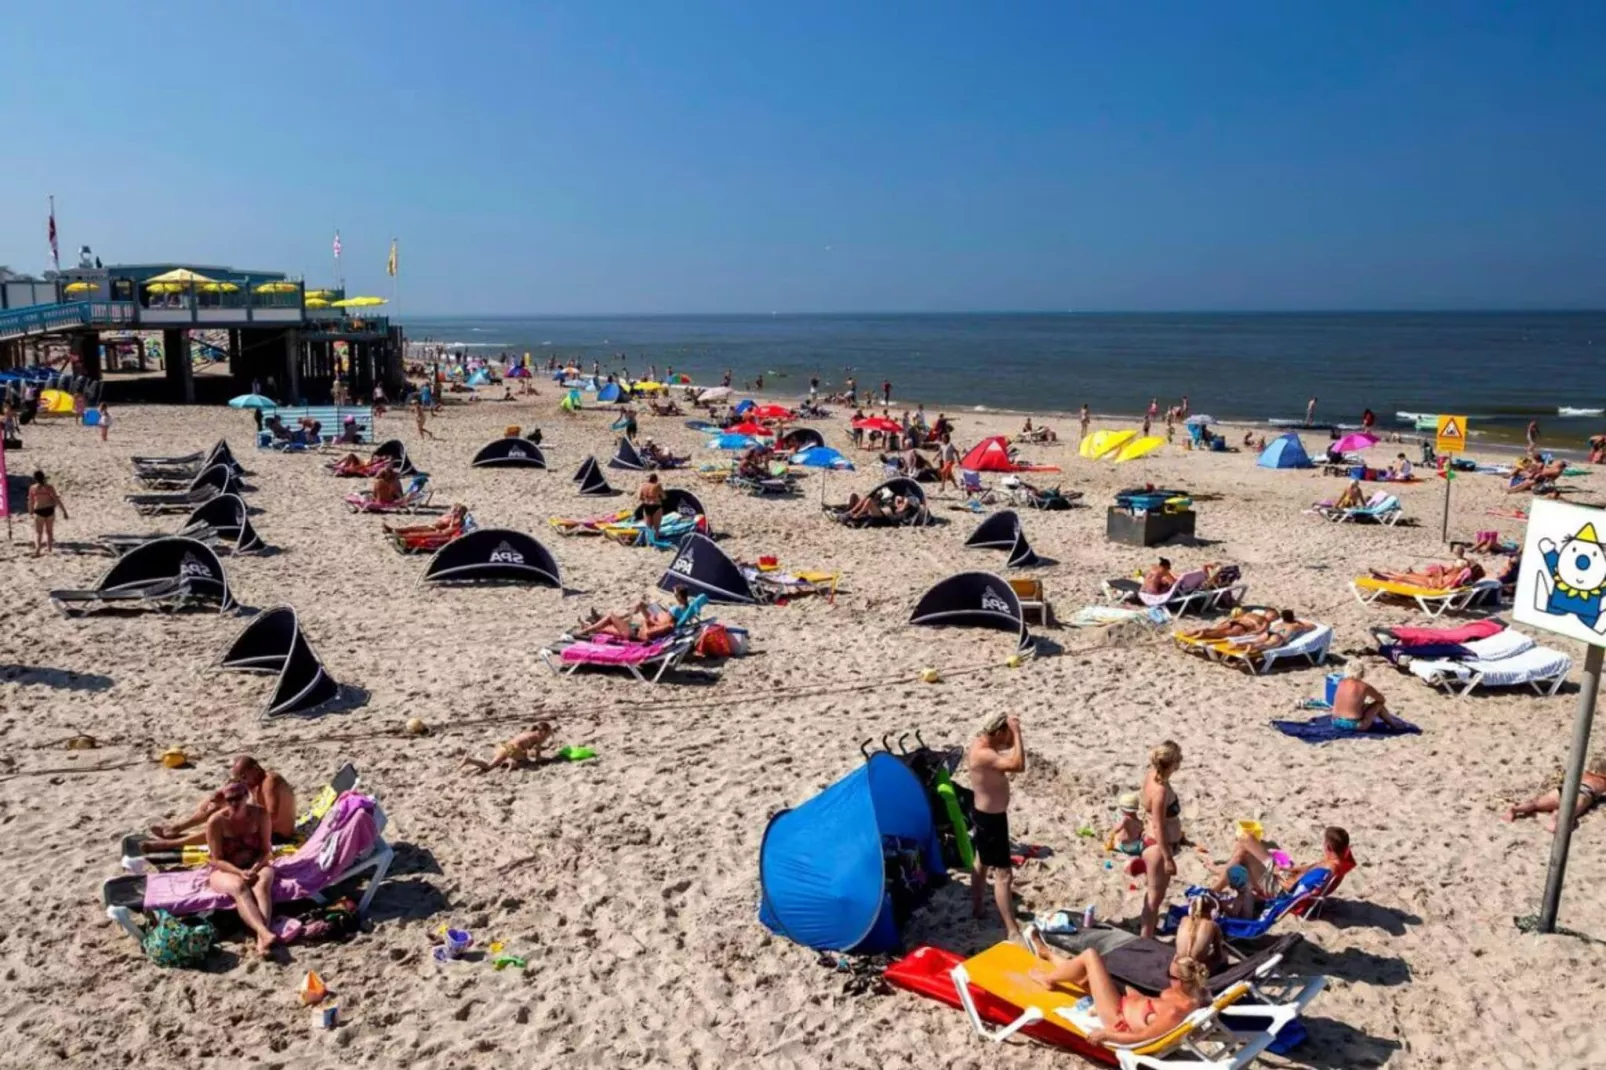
point(44, 319)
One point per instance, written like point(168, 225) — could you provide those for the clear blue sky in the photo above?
point(614, 156)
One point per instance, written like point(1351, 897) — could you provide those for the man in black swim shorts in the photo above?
point(997, 752)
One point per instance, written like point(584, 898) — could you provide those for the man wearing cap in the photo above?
point(269, 790)
point(997, 752)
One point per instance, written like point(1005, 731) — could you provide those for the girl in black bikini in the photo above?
point(42, 503)
point(1163, 830)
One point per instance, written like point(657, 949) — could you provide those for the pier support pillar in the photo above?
point(85, 348)
point(176, 361)
point(292, 367)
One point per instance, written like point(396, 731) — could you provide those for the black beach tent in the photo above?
point(704, 568)
point(799, 438)
point(226, 514)
point(492, 555)
point(591, 479)
point(510, 452)
point(974, 600)
point(1003, 531)
point(274, 643)
point(393, 451)
point(628, 457)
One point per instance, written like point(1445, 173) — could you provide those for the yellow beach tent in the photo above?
point(1101, 443)
point(1141, 447)
point(55, 403)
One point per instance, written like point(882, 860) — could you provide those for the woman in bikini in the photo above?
point(1128, 1016)
point(1241, 622)
point(1199, 936)
point(387, 486)
point(1591, 790)
point(1457, 573)
point(1283, 631)
point(651, 497)
point(1352, 498)
point(656, 622)
point(239, 838)
point(43, 501)
point(1162, 830)
point(451, 520)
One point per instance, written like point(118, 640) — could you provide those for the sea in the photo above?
point(1500, 369)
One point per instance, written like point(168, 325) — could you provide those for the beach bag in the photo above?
point(176, 942)
point(739, 641)
point(714, 642)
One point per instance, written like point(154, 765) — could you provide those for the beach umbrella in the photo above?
point(1201, 420)
point(81, 287)
point(821, 457)
point(181, 276)
point(315, 302)
point(748, 427)
point(166, 287)
point(358, 302)
point(1141, 447)
point(220, 287)
point(252, 401)
point(732, 442)
point(715, 393)
point(277, 288)
point(647, 386)
point(1355, 440)
point(878, 423)
point(324, 294)
point(772, 412)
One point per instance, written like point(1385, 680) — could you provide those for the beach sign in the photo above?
point(1561, 586)
point(1451, 436)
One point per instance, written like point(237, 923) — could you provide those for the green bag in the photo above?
point(174, 941)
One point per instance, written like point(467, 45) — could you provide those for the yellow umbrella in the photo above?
point(1100, 443)
point(320, 293)
point(648, 385)
point(220, 288)
point(316, 302)
point(1140, 448)
point(183, 276)
point(81, 287)
point(277, 288)
point(358, 302)
point(166, 287)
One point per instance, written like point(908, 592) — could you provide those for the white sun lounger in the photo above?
point(1538, 667)
point(1186, 593)
point(1311, 645)
point(1435, 602)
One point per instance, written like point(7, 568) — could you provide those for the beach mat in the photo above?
point(1322, 730)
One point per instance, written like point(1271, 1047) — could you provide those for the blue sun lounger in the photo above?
point(1311, 886)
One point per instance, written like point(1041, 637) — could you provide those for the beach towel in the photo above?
point(1409, 637)
point(1322, 730)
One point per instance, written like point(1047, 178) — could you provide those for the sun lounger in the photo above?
point(347, 842)
point(1538, 667)
point(1381, 508)
point(1312, 646)
point(169, 462)
point(169, 593)
point(635, 658)
point(1201, 1041)
point(1315, 885)
point(416, 497)
point(1433, 601)
point(176, 502)
point(1186, 593)
point(118, 545)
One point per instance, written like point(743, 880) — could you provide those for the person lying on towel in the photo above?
point(1240, 623)
point(1286, 629)
point(1357, 705)
point(353, 465)
point(1591, 790)
point(661, 457)
point(451, 520)
point(1128, 1016)
point(1264, 875)
point(268, 789)
point(869, 508)
point(1458, 573)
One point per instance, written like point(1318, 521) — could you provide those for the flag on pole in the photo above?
point(337, 245)
point(390, 264)
point(55, 250)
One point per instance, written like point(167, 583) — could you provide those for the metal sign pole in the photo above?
point(1444, 535)
point(1582, 723)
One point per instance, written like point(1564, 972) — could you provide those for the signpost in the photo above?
point(1451, 437)
point(1561, 588)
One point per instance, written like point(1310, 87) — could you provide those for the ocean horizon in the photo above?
point(1499, 368)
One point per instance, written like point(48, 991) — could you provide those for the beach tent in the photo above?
point(591, 479)
point(1137, 447)
point(479, 378)
point(509, 452)
point(989, 455)
point(1286, 451)
point(1101, 443)
point(55, 403)
point(492, 555)
point(909, 489)
point(799, 439)
point(396, 453)
point(610, 392)
point(628, 457)
point(172, 558)
point(683, 502)
point(822, 867)
point(570, 402)
point(704, 569)
point(273, 642)
point(821, 457)
point(742, 406)
point(226, 514)
point(975, 600)
point(219, 477)
point(1004, 531)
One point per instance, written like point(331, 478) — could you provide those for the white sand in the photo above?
point(631, 882)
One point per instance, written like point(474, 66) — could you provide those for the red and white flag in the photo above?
point(337, 245)
point(55, 251)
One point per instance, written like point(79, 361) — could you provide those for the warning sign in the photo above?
point(1452, 436)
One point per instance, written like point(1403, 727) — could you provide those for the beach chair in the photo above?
point(1306, 895)
point(347, 843)
point(635, 658)
point(1186, 593)
point(770, 587)
point(1537, 667)
point(1435, 602)
point(1223, 586)
point(1381, 508)
point(1199, 1042)
point(1312, 646)
point(417, 496)
point(118, 545)
point(167, 594)
point(1033, 598)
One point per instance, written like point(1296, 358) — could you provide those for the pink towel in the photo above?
point(1464, 633)
point(617, 653)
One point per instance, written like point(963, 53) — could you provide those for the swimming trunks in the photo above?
point(1134, 847)
point(44, 512)
point(991, 839)
point(1348, 724)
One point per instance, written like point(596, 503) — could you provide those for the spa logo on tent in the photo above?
point(193, 566)
point(514, 451)
point(991, 600)
point(683, 564)
point(506, 555)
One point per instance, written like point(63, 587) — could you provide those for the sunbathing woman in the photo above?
point(387, 486)
point(656, 622)
point(1536, 477)
point(868, 507)
point(1198, 934)
point(350, 465)
point(451, 520)
point(1285, 630)
point(1268, 880)
point(1241, 622)
point(240, 841)
point(1591, 790)
point(1352, 498)
point(1458, 573)
point(1128, 1016)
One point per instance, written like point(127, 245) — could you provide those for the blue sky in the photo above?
point(613, 156)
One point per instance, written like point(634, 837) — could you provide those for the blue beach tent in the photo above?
point(610, 392)
point(479, 378)
point(821, 872)
point(1286, 452)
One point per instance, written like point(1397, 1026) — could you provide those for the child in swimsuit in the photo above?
point(522, 750)
point(1127, 837)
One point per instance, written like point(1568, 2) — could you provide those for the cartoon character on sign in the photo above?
point(1573, 582)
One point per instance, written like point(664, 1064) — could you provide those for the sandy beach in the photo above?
point(630, 882)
